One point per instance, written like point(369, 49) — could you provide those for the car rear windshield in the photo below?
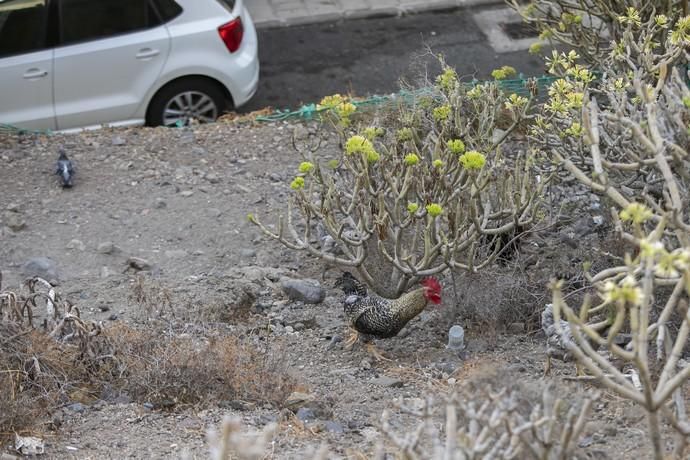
point(229, 4)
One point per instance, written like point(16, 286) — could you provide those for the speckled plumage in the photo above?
point(557, 345)
point(376, 316)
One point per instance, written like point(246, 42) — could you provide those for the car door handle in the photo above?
point(147, 53)
point(35, 73)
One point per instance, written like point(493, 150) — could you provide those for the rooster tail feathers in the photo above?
point(351, 285)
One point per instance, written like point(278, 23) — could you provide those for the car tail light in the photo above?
point(231, 34)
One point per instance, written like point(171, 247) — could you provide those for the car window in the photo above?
point(84, 20)
point(228, 4)
point(167, 9)
point(22, 26)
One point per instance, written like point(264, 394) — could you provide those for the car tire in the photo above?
point(182, 100)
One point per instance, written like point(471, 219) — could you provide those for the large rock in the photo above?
point(42, 267)
point(307, 291)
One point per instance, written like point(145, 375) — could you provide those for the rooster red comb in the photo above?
point(432, 284)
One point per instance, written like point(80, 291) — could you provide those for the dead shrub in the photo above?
point(151, 296)
point(170, 370)
point(68, 359)
point(36, 375)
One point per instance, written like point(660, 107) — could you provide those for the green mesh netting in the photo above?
point(519, 86)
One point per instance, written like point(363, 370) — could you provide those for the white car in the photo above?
point(67, 64)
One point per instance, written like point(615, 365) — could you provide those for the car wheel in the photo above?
point(183, 100)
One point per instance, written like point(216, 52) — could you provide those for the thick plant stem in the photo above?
point(655, 434)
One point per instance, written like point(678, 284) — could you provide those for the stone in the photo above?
point(212, 178)
point(159, 203)
point(14, 207)
point(386, 381)
point(76, 244)
point(214, 212)
point(117, 140)
point(43, 267)
point(77, 407)
point(248, 253)
point(138, 263)
point(334, 427)
point(305, 414)
point(106, 272)
point(15, 222)
point(307, 291)
point(187, 193)
point(107, 247)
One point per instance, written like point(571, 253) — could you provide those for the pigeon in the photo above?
point(65, 169)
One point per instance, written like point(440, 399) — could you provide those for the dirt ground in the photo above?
point(179, 199)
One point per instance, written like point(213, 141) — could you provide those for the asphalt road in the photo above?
point(364, 57)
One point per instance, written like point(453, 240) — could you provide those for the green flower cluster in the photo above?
point(568, 19)
point(503, 73)
point(412, 207)
point(632, 16)
point(456, 146)
point(306, 167)
point(345, 109)
point(442, 113)
point(297, 183)
point(434, 209)
point(564, 95)
point(667, 264)
point(448, 80)
point(331, 102)
point(515, 102)
point(661, 20)
point(340, 105)
point(574, 130)
point(404, 134)
point(472, 160)
point(626, 291)
point(681, 34)
point(636, 213)
point(535, 48)
point(411, 159)
point(361, 145)
point(372, 132)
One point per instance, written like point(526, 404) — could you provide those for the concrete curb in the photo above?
point(266, 15)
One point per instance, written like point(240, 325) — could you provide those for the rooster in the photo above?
point(376, 317)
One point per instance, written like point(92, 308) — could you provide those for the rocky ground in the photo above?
point(163, 212)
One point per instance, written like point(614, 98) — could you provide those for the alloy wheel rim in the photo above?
point(191, 104)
